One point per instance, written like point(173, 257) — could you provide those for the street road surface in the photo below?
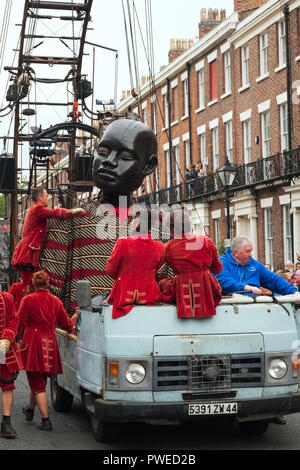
point(71, 431)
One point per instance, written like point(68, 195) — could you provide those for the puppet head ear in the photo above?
point(150, 165)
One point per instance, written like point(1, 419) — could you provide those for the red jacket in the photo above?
point(196, 290)
point(39, 314)
point(8, 330)
point(133, 264)
point(27, 252)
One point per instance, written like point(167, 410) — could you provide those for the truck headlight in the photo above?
point(135, 373)
point(277, 368)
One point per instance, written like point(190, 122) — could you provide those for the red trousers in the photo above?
point(7, 376)
point(37, 382)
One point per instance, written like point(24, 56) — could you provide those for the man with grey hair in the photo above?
point(241, 272)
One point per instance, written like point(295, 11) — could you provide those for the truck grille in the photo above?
point(208, 373)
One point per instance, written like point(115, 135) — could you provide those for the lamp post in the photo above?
point(227, 175)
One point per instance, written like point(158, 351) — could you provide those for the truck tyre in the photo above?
point(61, 399)
point(103, 431)
point(254, 428)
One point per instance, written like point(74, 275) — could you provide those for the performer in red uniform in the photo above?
point(39, 314)
point(18, 290)
point(133, 264)
point(27, 252)
point(13, 363)
point(193, 259)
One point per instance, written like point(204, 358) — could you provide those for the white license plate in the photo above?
point(213, 409)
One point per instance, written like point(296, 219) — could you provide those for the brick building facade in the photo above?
point(233, 93)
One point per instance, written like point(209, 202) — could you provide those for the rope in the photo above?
point(134, 46)
point(149, 52)
point(127, 46)
point(14, 57)
point(4, 30)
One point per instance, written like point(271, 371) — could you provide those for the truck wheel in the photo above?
point(254, 428)
point(103, 431)
point(61, 399)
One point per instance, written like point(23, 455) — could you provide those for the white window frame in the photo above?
point(203, 158)
point(185, 98)
point(284, 127)
point(187, 152)
point(232, 226)
point(145, 116)
point(217, 232)
point(154, 117)
point(166, 107)
point(287, 233)
point(215, 147)
point(264, 54)
point(247, 141)
point(174, 114)
point(201, 88)
point(281, 43)
point(148, 184)
point(177, 162)
point(269, 253)
point(245, 66)
point(266, 134)
point(229, 140)
point(156, 180)
point(167, 157)
point(227, 72)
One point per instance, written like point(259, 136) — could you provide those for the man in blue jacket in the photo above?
point(243, 273)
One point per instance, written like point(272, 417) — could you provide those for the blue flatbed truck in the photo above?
point(241, 364)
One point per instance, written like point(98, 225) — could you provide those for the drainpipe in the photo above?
point(288, 76)
point(188, 68)
point(169, 130)
point(289, 100)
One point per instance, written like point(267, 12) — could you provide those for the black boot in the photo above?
point(28, 413)
point(45, 425)
point(7, 430)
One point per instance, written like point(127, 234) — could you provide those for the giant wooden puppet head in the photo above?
point(127, 153)
point(78, 248)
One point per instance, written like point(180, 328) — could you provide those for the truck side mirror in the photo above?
point(83, 294)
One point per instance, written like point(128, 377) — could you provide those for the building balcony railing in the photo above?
point(281, 166)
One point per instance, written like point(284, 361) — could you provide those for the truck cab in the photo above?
point(151, 366)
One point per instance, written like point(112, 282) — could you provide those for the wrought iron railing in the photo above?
point(281, 166)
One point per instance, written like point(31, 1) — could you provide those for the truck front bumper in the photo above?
point(248, 409)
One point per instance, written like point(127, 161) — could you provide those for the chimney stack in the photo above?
point(145, 79)
point(177, 47)
point(210, 19)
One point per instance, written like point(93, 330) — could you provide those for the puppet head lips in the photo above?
point(107, 174)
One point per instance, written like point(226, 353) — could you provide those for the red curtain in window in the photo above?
point(213, 80)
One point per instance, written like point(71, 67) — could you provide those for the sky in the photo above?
point(170, 19)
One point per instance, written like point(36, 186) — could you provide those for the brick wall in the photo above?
point(238, 101)
point(243, 6)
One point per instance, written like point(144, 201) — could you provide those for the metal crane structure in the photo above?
point(48, 99)
point(39, 69)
